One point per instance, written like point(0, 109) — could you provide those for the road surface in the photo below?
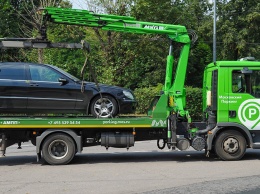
point(142, 169)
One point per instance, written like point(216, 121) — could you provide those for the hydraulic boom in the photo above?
point(173, 99)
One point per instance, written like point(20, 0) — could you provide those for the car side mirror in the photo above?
point(63, 81)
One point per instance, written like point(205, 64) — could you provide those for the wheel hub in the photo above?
point(58, 149)
point(231, 145)
point(104, 107)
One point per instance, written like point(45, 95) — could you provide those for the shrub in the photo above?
point(194, 102)
point(144, 97)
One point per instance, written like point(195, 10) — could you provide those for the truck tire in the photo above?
point(230, 145)
point(58, 149)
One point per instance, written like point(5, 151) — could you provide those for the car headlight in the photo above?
point(128, 94)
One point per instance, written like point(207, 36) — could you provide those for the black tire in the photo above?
point(164, 142)
point(58, 149)
point(104, 107)
point(230, 145)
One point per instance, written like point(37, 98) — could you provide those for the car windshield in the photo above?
point(66, 73)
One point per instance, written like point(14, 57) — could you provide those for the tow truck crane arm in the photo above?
point(173, 99)
point(117, 23)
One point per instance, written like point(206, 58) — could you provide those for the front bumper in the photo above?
point(127, 106)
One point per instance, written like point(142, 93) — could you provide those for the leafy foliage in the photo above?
point(194, 102)
point(144, 97)
point(138, 61)
point(238, 25)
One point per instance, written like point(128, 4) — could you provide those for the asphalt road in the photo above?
point(142, 169)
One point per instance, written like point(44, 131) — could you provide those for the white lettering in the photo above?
point(159, 123)
point(10, 122)
point(116, 122)
point(154, 27)
point(251, 112)
point(230, 97)
point(228, 101)
point(133, 25)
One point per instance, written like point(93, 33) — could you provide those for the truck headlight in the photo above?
point(128, 94)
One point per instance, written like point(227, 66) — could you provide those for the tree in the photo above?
point(9, 27)
point(238, 29)
point(193, 14)
point(32, 20)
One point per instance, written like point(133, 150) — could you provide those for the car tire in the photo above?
point(104, 107)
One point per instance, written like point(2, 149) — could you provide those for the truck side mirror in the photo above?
point(245, 70)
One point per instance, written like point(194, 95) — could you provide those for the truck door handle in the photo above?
point(232, 114)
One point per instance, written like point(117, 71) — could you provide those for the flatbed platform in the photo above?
point(7, 122)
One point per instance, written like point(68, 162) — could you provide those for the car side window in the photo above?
point(13, 72)
point(42, 73)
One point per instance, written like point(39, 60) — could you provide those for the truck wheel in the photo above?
point(230, 145)
point(58, 149)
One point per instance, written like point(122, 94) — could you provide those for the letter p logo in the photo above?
point(249, 114)
point(252, 112)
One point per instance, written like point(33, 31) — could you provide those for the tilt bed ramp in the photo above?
point(230, 103)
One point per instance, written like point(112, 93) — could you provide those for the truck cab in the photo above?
point(231, 92)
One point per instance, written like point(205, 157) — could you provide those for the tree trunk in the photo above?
point(40, 55)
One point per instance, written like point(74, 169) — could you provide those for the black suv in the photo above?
point(39, 88)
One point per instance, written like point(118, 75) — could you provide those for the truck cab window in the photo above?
point(255, 80)
point(238, 82)
point(246, 83)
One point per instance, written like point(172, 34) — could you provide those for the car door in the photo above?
point(13, 87)
point(47, 93)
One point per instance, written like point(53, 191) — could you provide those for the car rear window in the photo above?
point(14, 72)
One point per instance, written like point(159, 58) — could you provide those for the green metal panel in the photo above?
point(115, 23)
point(63, 122)
point(223, 79)
point(233, 106)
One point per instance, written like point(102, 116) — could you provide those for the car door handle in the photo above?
point(34, 85)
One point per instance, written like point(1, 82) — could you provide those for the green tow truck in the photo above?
point(231, 105)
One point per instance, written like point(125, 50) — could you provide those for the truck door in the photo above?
point(244, 94)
